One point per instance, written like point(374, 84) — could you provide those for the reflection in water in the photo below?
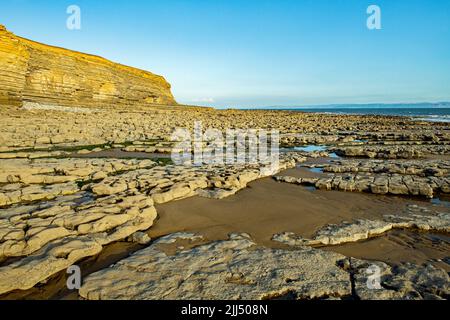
point(440, 202)
point(334, 155)
point(316, 170)
point(310, 148)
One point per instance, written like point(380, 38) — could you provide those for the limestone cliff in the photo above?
point(38, 73)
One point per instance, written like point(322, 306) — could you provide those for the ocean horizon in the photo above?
point(436, 112)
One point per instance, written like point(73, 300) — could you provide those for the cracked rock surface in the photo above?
point(230, 269)
point(239, 269)
point(364, 229)
point(81, 219)
point(46, 241)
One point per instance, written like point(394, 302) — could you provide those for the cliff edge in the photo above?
point(43, 74)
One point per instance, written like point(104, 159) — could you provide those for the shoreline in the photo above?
point(405, 111)
point(377, 187)
point(215, 220)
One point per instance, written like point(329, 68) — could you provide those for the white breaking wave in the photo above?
point(435, 118)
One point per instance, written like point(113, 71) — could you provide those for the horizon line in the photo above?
point(331, 105)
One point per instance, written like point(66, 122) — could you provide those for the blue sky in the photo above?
point(252, 53)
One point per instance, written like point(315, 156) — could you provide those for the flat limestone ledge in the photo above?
point(238, 269)
point(122, 208)
point(117, 125)
point(47, 241)
point(394, 184)
point(422, 167)
point(231, 269)
point(38, 180)
point(365, 229)
point(404, 282)
point(392, 151)
point(175, 182)
point(53, 171)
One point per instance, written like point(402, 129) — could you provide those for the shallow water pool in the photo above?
point(310, 148)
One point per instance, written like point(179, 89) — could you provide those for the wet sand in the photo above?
point(399, 246)
point(267, 207)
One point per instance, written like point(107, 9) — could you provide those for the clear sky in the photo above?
point(252, 53)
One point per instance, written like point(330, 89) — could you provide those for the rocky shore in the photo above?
point(87, 179)
point(59, 207)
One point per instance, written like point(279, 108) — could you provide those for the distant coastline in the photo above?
point(436, 112)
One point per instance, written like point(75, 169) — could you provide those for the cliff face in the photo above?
point(34, 72)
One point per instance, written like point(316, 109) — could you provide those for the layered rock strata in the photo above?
point(35, 73)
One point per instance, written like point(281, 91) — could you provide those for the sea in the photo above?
point(436, 112)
